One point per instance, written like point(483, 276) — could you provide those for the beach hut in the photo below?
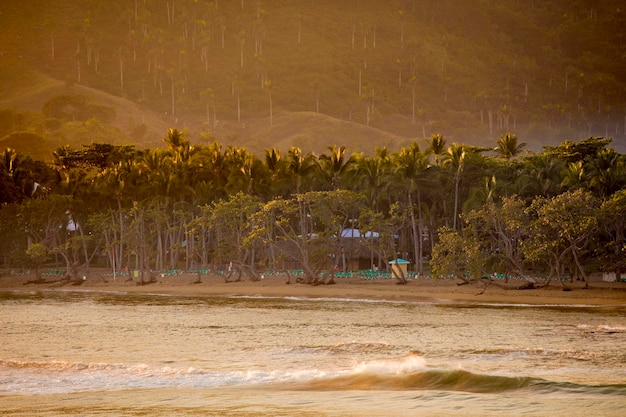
point(356, 249)
point(399, 267)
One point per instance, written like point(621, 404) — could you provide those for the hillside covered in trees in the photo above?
point(312, 73)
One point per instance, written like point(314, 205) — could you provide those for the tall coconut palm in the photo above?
point(436, 147)
point(182, 154)
point(607, 172)
point(299, 166)
point(246, 172)
point(370, 174)
point(508, 146)
point(175, 139)
point(277, 168)
point(455, 162)
point(155, 169)
point(334, 165)
point(542, 175)
point(574, 176)
point(212, 172)
point(410, 165)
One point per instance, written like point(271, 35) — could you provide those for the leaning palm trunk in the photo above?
point(416, 245)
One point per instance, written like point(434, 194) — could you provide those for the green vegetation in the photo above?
point(470, 211)
point(400, 117)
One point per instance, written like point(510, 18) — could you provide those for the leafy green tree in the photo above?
point(48, 222)
point(307, 229)
point(457, 256)
point(501, 228)
point(9, 190)
point(37, 253)
point(584, 150)
point(22, 177)
point(231, 224)
point(379, 233)
point(14, 240)
point(279, 225)
point(564, 225)
point(613, 221)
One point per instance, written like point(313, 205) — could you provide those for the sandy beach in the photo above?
point(431, 347)
point(420, 289)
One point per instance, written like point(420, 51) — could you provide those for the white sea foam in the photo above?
point(58, 377)
point(408, 364)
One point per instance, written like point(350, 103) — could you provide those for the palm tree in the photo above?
point(508, 147)
point(175, 139)
point(542, 176)
point(371, 175)
point(574, 175)
point(455, 162)
point(299, 166)
point(118, 186)
point(607, 172)
point(410, 164)
point(277, 168)
point(436, 146)
point(334, 165)
point(211, 172)
point(155, 169)
point(483, 195)
point(246, 172)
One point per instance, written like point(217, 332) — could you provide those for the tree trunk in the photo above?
point(416, 244)
point(457, 180)
point(580, 267)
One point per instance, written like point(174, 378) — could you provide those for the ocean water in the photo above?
point(97, 354)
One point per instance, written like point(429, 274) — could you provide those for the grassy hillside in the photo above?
point(315, 132)
point(38, 137)
point(546, 71)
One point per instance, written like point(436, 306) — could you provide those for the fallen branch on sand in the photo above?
point(526, 285)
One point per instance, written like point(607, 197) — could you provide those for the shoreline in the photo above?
point(416, 290)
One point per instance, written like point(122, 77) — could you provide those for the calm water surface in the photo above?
point(92, 354)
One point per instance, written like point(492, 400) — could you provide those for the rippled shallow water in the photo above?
point(94, 354)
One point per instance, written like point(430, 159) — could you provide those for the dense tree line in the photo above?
point(468, 211)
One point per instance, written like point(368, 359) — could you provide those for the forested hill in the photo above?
point(471, 70)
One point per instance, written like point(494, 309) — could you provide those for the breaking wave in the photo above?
point(411, 373)
point(455, 380)
point(405, 374)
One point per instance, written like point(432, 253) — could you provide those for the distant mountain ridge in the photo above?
point(362, 73)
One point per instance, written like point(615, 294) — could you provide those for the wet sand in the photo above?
point(421, 289)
